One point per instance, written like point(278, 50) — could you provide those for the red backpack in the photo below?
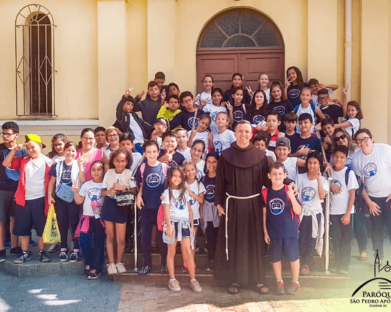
point(160, 213)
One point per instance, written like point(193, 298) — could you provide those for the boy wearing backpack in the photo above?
point(280, 227)
point(343, 191)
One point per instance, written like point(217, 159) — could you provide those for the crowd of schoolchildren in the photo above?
point(162, 154)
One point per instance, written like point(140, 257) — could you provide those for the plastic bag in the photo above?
point(51, 233)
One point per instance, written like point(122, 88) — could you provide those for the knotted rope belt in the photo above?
point(226, 215)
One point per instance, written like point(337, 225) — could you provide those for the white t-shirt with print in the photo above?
point(195, 205)
point(185, 153)
point(309, 192)
point(290, 165)
point(35, 178)
point(91, 191)
point(178, 207)
point(339, 202)
point(354, 126)
point(203, 136)
point(223, 141)
point(213, 110)
point(202, 97)
point(375, 170)
point(200, 169)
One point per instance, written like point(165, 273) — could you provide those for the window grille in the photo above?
point(34, 61)
point(241, 28)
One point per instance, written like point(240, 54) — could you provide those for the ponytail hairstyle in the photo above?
point(259, 77)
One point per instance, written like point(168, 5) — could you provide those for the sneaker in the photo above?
point(174, 286)
point(87, 270)
point(2, 255)
point(53, 248)
point(94, 274)
point(184, 267)
point(164, 269)
point(16, 251)
point(280, 288)
point(7, 245)
point(144, 270)
point(32, 243)
point(25, 256)
point(74, 257)
point(363, 256)
point(111, 269)
point(195, 286)
point(294, 288)
point(121, 268)
point(305, 270)
point(43, 257)
point(63, 256)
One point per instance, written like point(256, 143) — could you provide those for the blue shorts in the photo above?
point(197, 223)
point(32, 213)
point(278, 245)
point(185, 232)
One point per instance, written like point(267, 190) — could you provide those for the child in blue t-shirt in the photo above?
point(168, 154)
point(151, 177)
point(280, 227)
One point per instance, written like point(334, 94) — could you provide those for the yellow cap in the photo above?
point(34, 138)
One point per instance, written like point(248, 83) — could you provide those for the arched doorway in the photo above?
point(240, 40)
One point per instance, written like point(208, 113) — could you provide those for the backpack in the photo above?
point(264, 195)
point(359, 202)
point(160, 213)
point(311, 105)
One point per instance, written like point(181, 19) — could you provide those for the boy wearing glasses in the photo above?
point(333, 111)
point(8, 185)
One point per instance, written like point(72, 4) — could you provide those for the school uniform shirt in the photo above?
point(213, 110)
point(339, 202)
point(375, 170)
point(65, 174)
point(195, 205)
point(178, 205)
point(91, 192)
point(312, 142)
point(57, 158)
point(239, 113)
point(200, 169)
point(186, 119)
point(177, 159)
point(223, 140)
point(35, 179)
point(153, 180)
point(228, 96)
point(210, 187)
point(256, 118)
point(279, 222)
point(9, 177)
point(293, 138)
point(271, 154)
point(354, 126)
point(136, 156)
point(332, 111)
point(203, 136)
point(132, 184)
point(136, 129)
point(281, 108)
point(290, 165)
point(294, 92)
point(308, 110)
point(202, 97)
point(349, 160)
point(186, 153)
point(309, 192)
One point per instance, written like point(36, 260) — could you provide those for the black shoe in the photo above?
point(164, 269)
point(144, 270)
point(74, 257)
point(43, 257)
point(87, 270)
point(25, 256)
point(16, 251)
point(63, 256)
point(2, 255)
point(94, 274)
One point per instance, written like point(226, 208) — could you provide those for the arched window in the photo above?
point(241, 28)
point(34, 57)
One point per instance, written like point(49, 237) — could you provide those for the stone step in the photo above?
point(315, 279)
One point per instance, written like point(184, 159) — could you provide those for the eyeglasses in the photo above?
point(340, 138)
point(364, 140)
point(112, 135)
point(197, 151)
point(6, 135)
point(321, 98)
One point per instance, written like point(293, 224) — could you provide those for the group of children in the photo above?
point(171, 175)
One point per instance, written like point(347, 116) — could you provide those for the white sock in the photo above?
point(172, 279)
point(280, 281)
point(193, 280)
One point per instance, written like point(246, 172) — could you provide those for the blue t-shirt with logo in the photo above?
point(279, 221)
point(153, 180)
point(177, 159)
point(239, 113)
point(65, 175)
point(312, 142)
point(186, 119)
point(210, 186)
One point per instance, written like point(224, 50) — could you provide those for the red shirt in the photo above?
point(273, 140)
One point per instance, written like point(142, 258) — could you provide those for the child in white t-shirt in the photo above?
point(198, 149)
point(225, 137)
point(196, 190)
point(202, 133)
point(215, 108)
point(179, 226)
point(91, 227)
point(312, 187)
point(205, 97)
point(182, 138)
point(283, 149)
point(343, 186)
point(351, 123)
